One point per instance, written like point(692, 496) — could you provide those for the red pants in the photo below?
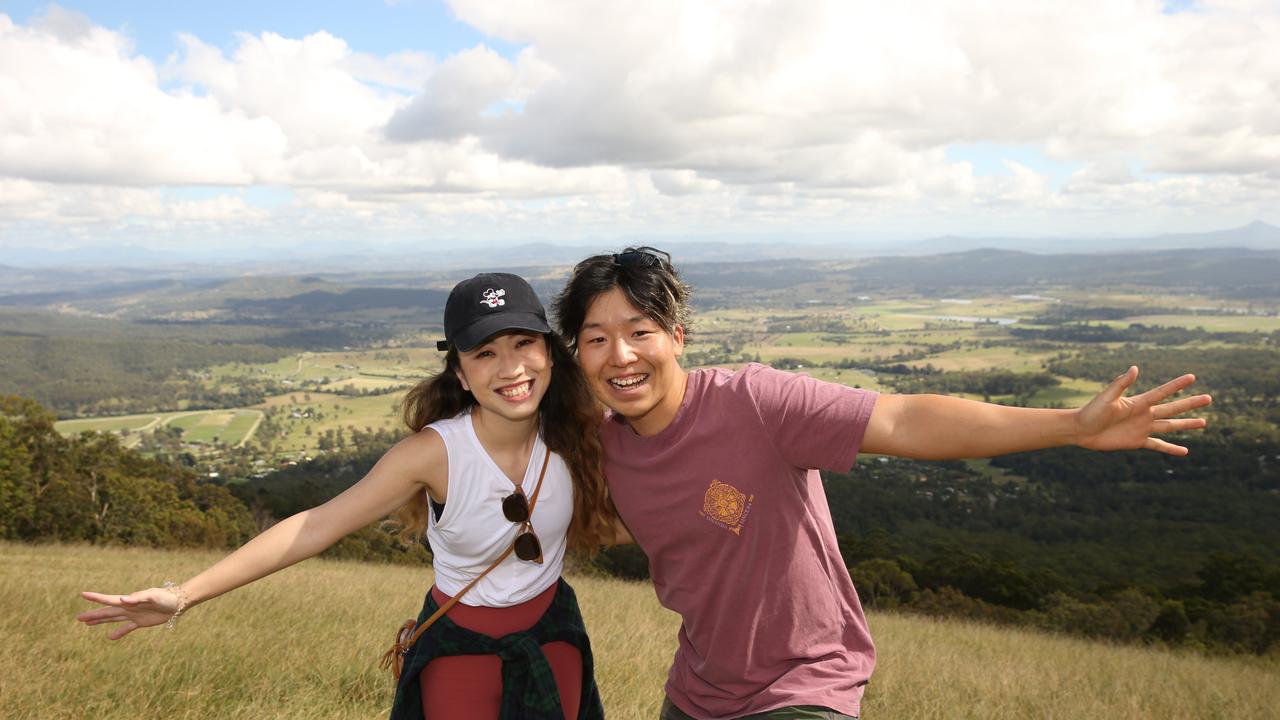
point(470, 686)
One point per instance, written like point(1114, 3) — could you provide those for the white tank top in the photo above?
point(472, 531)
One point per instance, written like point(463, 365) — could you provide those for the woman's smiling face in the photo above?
point(508, 373)
point(631, 362)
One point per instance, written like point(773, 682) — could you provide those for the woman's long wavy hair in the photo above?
point(569, 421)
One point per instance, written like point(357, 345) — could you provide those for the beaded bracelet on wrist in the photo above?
point(180, 593)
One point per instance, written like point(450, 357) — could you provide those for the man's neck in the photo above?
point(662, 414)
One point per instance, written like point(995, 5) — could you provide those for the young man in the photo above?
point(715, 475)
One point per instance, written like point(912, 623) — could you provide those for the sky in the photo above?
point(386, 124)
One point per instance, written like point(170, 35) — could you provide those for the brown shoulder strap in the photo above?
point(454, 600)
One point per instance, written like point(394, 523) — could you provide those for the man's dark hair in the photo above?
point(645, 276)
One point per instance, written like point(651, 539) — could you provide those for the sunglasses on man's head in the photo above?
point(645, 257)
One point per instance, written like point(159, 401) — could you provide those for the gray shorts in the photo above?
point(793, 712)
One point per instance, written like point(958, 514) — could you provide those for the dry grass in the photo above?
point(303, 644)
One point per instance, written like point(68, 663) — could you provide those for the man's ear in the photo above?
point(677, 340)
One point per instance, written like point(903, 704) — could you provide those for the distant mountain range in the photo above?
point(1254, 236)
point(1226, 272)
point(23, 265)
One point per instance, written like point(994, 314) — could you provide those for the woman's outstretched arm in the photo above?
point(417, 463)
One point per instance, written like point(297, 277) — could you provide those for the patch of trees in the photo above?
point(325, 337)
point(816, 324)
point(1231, 604)
point(1240, 378)
point(723, 352)
point(323, 302)
point(294, 488)
point(100, 377)
point(1129, 546)
point(1139, 333)
point(896, 363)
point(978, 382)
point(1067, 313)
point(350, 390)
point(90, 489)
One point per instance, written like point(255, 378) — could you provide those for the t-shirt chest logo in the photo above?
point(726, 506)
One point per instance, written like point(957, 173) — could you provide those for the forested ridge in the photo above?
point(76, 376)
point(90, 489)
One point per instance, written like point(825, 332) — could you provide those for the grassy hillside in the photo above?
point(304, 643)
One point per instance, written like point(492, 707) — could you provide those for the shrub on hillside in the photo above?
point(90, 489)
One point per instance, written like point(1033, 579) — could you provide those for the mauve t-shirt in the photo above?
point(731, 512)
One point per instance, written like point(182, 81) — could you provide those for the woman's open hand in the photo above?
point(1111, 421)
point(144, 608)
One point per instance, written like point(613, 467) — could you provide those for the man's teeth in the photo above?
point(629, 382)
point(515, 391)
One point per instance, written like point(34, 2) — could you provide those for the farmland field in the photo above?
point(849, 342)
point(1213, 323)
point(205, 426)
point(108, 424)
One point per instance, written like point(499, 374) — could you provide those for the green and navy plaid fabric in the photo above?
point(528, 687)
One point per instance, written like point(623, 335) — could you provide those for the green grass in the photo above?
point(228, 426)
point(336, 412)
point(1212, 323)
point(304, 644)
point(187, 422)
point(224, 426)
point(363, 368)
point(996, 474)
point(363, 383)
point(852, 378)
point(107, 424)
point(240, 425)
point(1073, 392)
point(999, 357)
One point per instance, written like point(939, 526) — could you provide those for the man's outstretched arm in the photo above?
point(938, 427)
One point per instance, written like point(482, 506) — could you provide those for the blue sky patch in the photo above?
point(988, 160)
point(370, 26)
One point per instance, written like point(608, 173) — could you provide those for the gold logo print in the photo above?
point(726, 505)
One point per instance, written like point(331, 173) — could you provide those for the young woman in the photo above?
point(504, 462)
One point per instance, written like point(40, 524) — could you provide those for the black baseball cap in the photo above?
point(487, 304)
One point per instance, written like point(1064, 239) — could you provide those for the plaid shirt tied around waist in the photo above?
point(528, 687)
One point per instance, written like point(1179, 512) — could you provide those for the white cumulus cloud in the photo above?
point(618, 116)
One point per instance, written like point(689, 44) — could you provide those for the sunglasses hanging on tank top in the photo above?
point(521, 511)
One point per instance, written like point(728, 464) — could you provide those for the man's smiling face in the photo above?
point(631, 362)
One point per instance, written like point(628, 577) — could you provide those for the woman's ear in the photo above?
point(462, 379)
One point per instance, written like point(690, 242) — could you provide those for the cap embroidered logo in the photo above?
point(493, 298)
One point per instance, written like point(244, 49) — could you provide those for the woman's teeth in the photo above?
point(516, 390)
point(627, 382)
